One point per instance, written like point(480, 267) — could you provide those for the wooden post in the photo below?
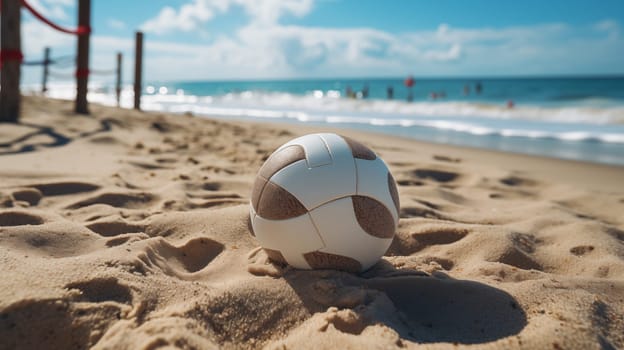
point(10, 75)
point(46, 63)
point(138, 69)
point(118, 83)
point(82, 61)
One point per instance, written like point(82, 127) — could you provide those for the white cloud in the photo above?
point(189, 17)
point(610, 27)
point(54, 9)
point(452, 54)
point(37, 35)
point(194, 14)
point(115, 23)
point(267, 12)
point(68, 3)
point(266, 48)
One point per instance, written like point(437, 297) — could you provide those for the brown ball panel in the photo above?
point(278, 204)
point(394, 193)
point(320, 260)
point(280, 159)
point(359, 150)
point(256, 191)
point(275, 255)
point(373, 217)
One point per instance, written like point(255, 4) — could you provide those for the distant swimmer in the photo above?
point(349, 92)
point(390, 92)
point(409, 83)
point(510, 104)
point(365, 91)
point(466, 90)
point(434, 95)
point(478, 87)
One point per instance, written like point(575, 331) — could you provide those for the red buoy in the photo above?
point(409, 81)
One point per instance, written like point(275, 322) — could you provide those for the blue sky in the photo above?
point(266, 39)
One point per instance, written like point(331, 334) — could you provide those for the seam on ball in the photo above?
point(356, 175)
point(327, 148)
point(318, 232)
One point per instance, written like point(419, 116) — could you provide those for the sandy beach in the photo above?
point(129, 230)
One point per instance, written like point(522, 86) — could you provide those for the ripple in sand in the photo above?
point(102, 289)
point(436, 175)
point(66, 187)
point(119, 200)
point(114, 228)
point(16, 218)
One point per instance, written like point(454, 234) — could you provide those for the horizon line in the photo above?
point(424, 77)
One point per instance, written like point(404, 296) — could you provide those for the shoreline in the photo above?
point(575, 172)
point(580, 131)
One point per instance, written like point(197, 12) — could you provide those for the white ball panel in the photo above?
point(338, 147)
point(315, 186)
point(339, 229)
point(291, 237)
point(372, 181)
point(315, 149)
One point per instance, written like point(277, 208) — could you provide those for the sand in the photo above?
point(128, 230)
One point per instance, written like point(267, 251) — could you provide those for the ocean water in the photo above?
point(569, 118)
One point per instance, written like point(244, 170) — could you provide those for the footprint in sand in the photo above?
point(146, 164)
point(164, 160)
point(115, 227)
point(581, 250)
point(101, 289)
point(125, 238)
point(32, 196)
point(518, 252)
point(193, 256)
point(517, 181)
point(105, 140)
point(18, 218)
point(119, 200)
point(410, 182)
point(211, 186)
point(442, 158)
point(617, 233)
point(218, 170)
point(218, 203)
point(63, 188)
point(408, 244)
point(427, 204)
point(60, 324)
point(51, 239)
point(436, 175)
point(439, 236)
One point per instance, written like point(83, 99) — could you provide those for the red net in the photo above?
point(10, 55)
point(81, 30)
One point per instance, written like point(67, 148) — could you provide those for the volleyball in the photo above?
point(324, 201)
